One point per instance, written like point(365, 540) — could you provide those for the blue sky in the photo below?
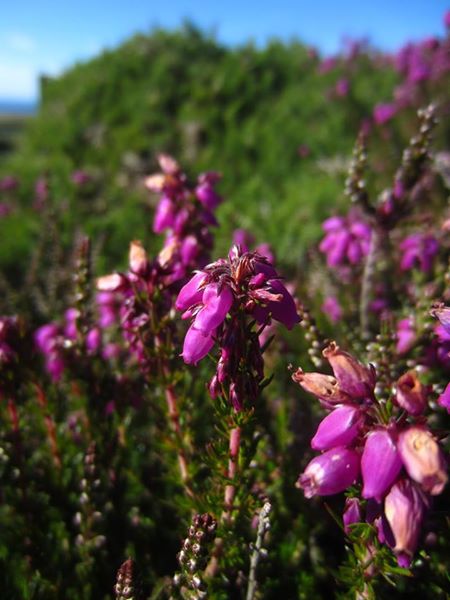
point(49, 35)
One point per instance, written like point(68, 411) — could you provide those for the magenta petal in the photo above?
point(196, 346)
point(444, 398)
point(380, 464)
point(190, 293)
point(164, 216)
point(339, 428)
point(217, 302)
point(330, 473)
point(283, 311)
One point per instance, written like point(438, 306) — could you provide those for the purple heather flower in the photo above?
point(444, 398)
point(164, 216)
point(423, 459)
point(418, 250)
point(411, 394)
point(328, 64)
point(210, 294)
point(93, 340)
point(380, 464)
point(442, 313)
point(330, 473)
point(217, 302)
point(5, 210)
point(447, 19)
point(205, 191)
point(352, 513)
point(332, 309)
point(80, 178)
point(45, 337)
point(9, 183)
point(325, 387)
point(404, 507)
point(339, 428)
point(382, 113)
point(196, 345)
point(346, 241)
point(70, 329)
point(354, 378)
point(406, 335)
point(342, 88)
point(191, 293)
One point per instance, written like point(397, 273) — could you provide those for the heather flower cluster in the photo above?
point(218, 299)
point(396, 455)
point(346, 241)
point(186, 213)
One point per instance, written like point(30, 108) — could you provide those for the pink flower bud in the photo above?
point(423, 459)
point(164, 216)
point(324, 387)
point(339, 428)
point(137, 258)
point(330, 473)
point(404, 507)
point(380, 464)
point(111, 283)
point(411, 394)
point(352, 513)
point(354, 378)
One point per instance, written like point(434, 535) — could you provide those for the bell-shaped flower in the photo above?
point(325, 387)
point(404, 508)
point(165, 215)
point(339, 428)
point(357, 380)
point(423, 459)
point(380, 464)
point(217, 301)
point(330, 473)
point(411, 394)
point(196, 345)
point(191, 293)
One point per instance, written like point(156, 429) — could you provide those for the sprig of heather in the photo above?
point(385, 441)
point(186, 213)
point(230, 302)
point(189, 582)
point(127, 585)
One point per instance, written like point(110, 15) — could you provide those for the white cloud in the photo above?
point(20, 42)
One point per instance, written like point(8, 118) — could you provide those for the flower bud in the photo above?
point(339, 428)
point(404, 507)
point(324, 387)
point(423, 459)
point(411, 394)
point(137, 259)
point(330, 473)
point(111, 283)
point(354, 378)
point(380, 464)
point(352, 513)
